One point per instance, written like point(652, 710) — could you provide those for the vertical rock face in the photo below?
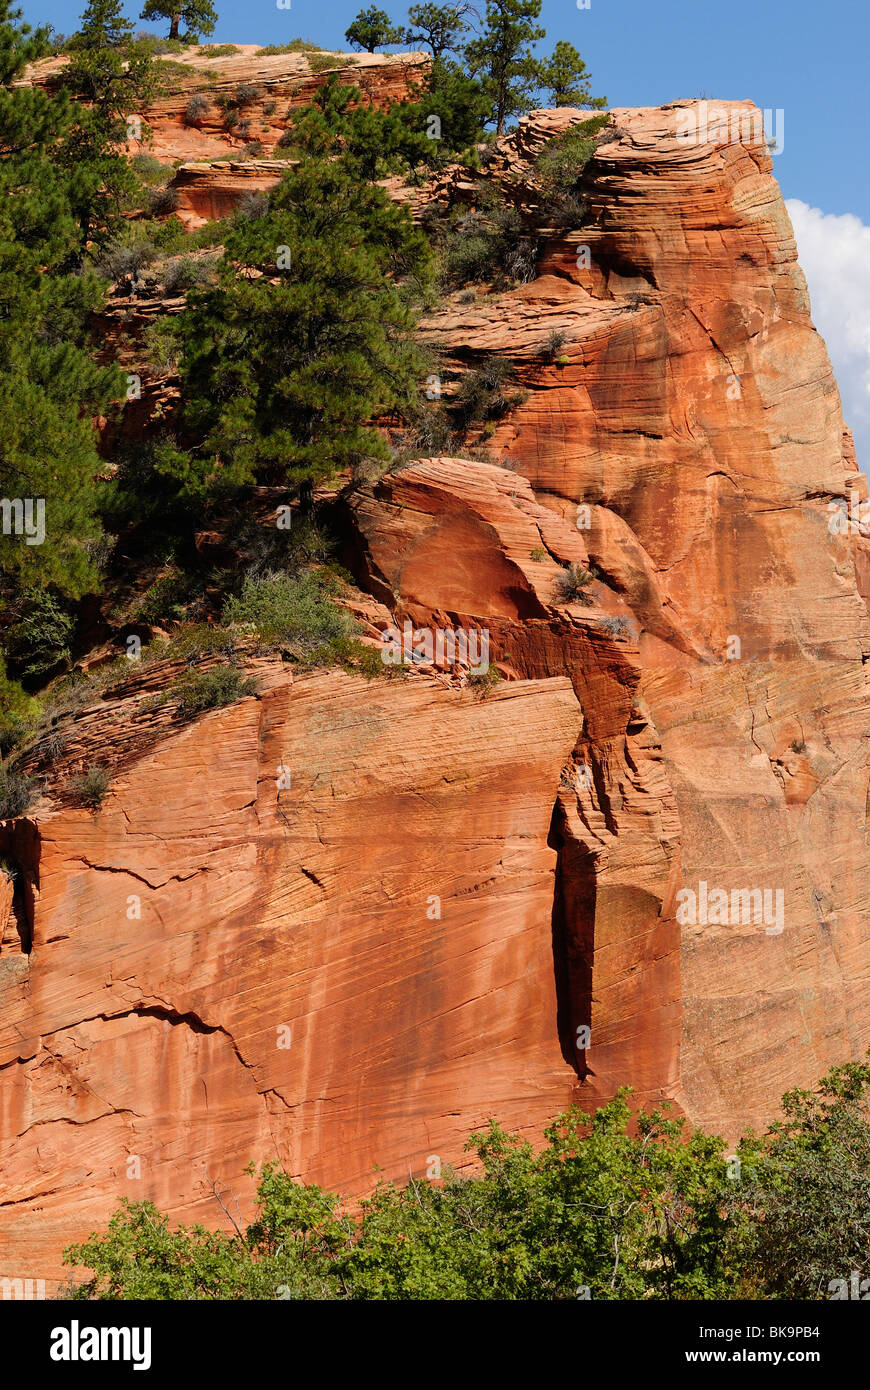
point(224, 970)
point(461, 906)
point(694, 412)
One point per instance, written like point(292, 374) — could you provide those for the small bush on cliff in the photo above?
point(92, 786)
point(482, 394)
point(483, 683)
point(292, 612)
point(247, 92)
point(16, 792)
point(198, 106)
point(162, 201)
point(488, 244)
point(552, 345)
point(294, 46)
point(322, 62)
point(616, 626)
point(150, 169)
point(181, 275)
point(561, 162)
point(572, 583)
point(126, 259)
point(199, 691)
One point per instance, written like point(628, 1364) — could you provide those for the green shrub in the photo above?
point(219, 50)
point(482, 396)
point(253, 206)
point(489, 243)
point(294, 46)
point(293, 612)
point(163, 599)
point(561, 162)
point(16, 792)
point(184, 274)
point(150, 170)
point(92, 786)
point(194, 640)
point(253, 149)
point(566, 210)
point(157, 44)
point(553, 345)
point(231, 118)
point(572, 584)
point(203, 690)
point(124, 257)
point(246, 92)
point(41, 637)
point(483, 683)
point(319, 62)
point(360, 658)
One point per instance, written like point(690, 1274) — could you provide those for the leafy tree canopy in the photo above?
point(200, 16)
point(502, 57)
point(564, 76)
point(306, 338)
point(439, 27)
point(372, 29)
point(614, 1206)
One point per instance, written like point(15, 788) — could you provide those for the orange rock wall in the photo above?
point(359, 968)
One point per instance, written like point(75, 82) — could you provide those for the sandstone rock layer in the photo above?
point(418, 932)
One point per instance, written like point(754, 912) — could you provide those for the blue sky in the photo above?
point(808, 59)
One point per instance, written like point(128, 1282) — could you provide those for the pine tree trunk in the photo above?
point(173, 29)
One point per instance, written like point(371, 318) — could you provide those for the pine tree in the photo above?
point(200, 16)
point(49, 385)
point(304, 342)
point(372, 29)
point(565, 77)
point(111, 76)
point(440, 27)
point(503, 60)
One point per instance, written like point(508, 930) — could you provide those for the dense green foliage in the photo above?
point(111, 75)
point(440, 27)
point(304, 340)
point(810, 1180)
point(290, 611)
point(296, 346)
point(372, 29)
point(49, 383)
point(612, 1207)
point(564, 76)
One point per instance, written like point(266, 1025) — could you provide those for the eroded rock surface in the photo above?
point(453, 886)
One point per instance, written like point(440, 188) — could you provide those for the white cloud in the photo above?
point(834, 253)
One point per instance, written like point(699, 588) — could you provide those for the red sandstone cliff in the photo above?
point(444, 896)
